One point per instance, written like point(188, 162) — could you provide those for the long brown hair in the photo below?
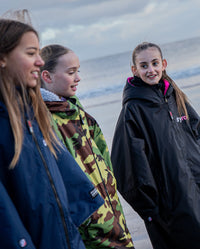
point(17, 101)
point(181, 98)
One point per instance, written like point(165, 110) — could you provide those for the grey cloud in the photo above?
point(95, 28)
point(62, 13)
point(76, 13)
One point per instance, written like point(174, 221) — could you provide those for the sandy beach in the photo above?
point(106, 111)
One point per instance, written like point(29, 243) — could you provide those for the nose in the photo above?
point(39, 61)
point(77, 78)
point(150, 68)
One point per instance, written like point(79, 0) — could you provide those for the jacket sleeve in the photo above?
point(13, 234)
point(131, 167)
point(98, 137)
point(12, 231)
point(83, 197)
point(194, 120)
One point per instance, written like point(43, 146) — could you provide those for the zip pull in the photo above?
point(81, 119)
point(30, 127)
point(171, 115)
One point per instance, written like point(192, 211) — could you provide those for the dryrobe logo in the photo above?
point(93, 193)
point(181, 119)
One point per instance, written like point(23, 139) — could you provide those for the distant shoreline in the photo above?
point(163, 45)
point(107, 102)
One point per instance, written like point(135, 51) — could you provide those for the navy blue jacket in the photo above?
point(41, 207)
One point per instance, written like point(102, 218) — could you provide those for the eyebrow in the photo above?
point(31, 48)
point(143, 62)
point(156, 59)
point(72, 68)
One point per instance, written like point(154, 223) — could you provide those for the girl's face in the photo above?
point(149, 66)
point(24, 61)
point(66, 77)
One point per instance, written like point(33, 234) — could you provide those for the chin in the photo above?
point(151, 83)
point(32, 84)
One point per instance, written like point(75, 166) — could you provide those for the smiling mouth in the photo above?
point(35, 74)
point(74, 87)
point(151, 76)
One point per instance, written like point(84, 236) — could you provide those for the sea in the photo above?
point(104, 76)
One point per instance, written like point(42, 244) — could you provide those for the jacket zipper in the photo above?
point(51, 183)
point(169, 111)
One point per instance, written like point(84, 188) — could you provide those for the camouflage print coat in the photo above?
point(81, 134)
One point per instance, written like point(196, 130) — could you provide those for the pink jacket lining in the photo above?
point(165, 82)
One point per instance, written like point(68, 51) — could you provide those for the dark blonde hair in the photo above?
point(181, 98)
point(16, 101)
point(50, 55)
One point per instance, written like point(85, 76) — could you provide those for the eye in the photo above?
point(144, 66)
point(155, 63)
point(31, 53)
point(71, 72)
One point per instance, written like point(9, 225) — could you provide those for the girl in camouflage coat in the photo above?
point(82, 136)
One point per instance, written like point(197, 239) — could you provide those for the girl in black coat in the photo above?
point(156, 153)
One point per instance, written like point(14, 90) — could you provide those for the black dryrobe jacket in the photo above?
point(156, 161)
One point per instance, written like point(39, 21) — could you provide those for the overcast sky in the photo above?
point(95, 28)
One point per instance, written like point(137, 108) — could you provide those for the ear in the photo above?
point(46, 76)
point(134, 70)
point(164, 64)
point(3, 62)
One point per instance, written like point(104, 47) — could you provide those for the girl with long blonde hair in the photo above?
point(45, 196)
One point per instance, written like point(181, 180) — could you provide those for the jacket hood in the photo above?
point(55, 104)
point(135, 88)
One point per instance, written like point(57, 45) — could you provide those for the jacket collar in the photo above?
point(49, 96)
point(136, 81)
point(135, 88)
point(57, 105)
